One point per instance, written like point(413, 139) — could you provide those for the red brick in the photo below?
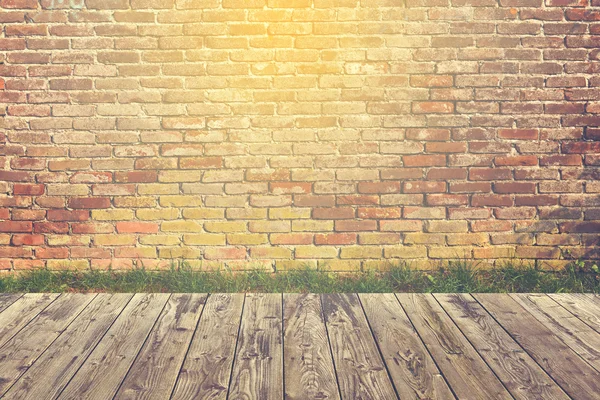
point(333, 213)
point(225, 253)
point(67, 215)
point(27, 240)
point(516, 161)
point(335, 239)
point(357, 200)
point(432, 107)
point(291, 238)
point(424, 160)
point(136, 176)
point(310, 200)
point(580, 227)
point(137, 227)
point(518, 134)
point(51, 227)
point(379, 213)
point(28, 189)
point(19, 4)
point(446, 200)
point(378, 187)
point(489, 174)
point(15, 226)
point(58, 252)
point(491, 200)
point(355, 226)
point(514, 187)
point(28, 215)
point(89, 202)
point(424, 187)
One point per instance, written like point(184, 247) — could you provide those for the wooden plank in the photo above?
point(6, 299)
point(582, 306)
point(411, 368)
point(102, 373)
point(577, 335)
point(154, 373)
point(360, 369)
point(258, 366)
point(19, 353)
point(466, 372)
point(48, 376)
point(21, 312)
point(521, 375)
point(574, 375)
point(309, 370)
point(207, 368)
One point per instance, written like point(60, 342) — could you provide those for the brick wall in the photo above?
point(346, 133)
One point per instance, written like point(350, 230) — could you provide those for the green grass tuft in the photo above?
point(459, 277)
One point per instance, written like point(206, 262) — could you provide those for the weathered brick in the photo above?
point(330, 133)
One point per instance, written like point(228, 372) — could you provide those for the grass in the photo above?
point(459, 276)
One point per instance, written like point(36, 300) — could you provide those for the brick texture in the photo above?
point(283, 133)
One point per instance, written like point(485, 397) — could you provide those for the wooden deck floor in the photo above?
point(272, 346)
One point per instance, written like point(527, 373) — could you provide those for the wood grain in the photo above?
point(361, 371)
point(573, 374)
point(464, 369)
point(21, 312)
point(571, 330)
point(6, 299)
point(582, 306)
point(258, 366)
point(309, 369)
point(101, 375)
point(412, 369)
point(48, 376)
point(521, 375)
point(207, 368)
point(19, 353)
point(154, 373)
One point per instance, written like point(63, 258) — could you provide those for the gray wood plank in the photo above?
point(258, 366)
point(575, 333)
point(6, 299)
point(412, 369)
point(19, 353)
point(361, 371)
point(582, 306)
point(154, 373)
point(574, 375)
point(48, 376)
point(207, 368)
point(309, 370)
point(521, 375)
point(21, 312)
point(464, 369)
point(102, 373)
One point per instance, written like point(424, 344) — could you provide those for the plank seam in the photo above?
point(49, 345)
point(545, 323)
point(12, 302)
point(337, 379)
point(521, 346)
point(97, 344)
point(33, 318)
point(573, 314)
point(189, 345)
point(426, 348)
point(472, 345)
point(237, 340)
point(142, 346)
point(387, 370)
